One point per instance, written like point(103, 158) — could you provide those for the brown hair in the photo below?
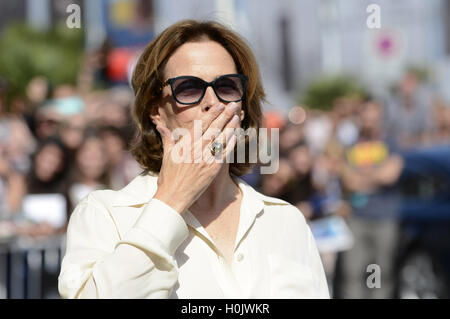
point(148, 77)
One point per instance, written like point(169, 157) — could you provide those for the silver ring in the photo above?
point(216, 148)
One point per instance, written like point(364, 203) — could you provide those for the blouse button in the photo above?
point(240, 257)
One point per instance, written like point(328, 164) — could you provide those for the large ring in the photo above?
point(216, 148)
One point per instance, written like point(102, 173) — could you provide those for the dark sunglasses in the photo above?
point(191, 89)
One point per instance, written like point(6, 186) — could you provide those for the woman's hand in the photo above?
point(180, 183)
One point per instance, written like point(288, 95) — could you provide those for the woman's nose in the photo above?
point(209, 99)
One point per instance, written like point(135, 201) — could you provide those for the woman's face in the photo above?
point(301, 159)
point(48, 162)
point(91, 158)
point(72, 131)
point(206, 60)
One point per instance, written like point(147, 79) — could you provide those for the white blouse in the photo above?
point(126, 244)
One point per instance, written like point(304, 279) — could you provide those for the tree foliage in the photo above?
point(26, 52)
point(321, 93)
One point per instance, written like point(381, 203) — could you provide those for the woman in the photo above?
point(47, 177)
point(49, 168)
point(90, 171)
point(191, 229)
point(122, 166)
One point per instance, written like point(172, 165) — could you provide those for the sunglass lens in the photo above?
point(229, 88)
point(188, 90)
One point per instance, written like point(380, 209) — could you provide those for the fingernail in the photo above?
point(221, 107)
point(235, 119)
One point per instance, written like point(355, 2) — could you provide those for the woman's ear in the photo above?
point(154, 115)
point(242, 115)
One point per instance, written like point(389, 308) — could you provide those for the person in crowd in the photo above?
point(290, 135)
point(71, 131)
point(64, 91)
point(12, 185)
point(327, 202)
point(408, 112)
point(49, 169)
point(343, 116)
point(441, 128)
point(90, 169)
point(16, 145)
point(37, 91)
point(113, 112)
point(122, 166)
point(317, 131)
point(48, 176)
point(371, 168)
point(191, 228)
point(46, 122)
point(280, 183)
point(301, 192)
point(328, 197)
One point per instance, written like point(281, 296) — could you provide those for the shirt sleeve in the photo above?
point(100, 264)
point(300, 241)
point(321, 285)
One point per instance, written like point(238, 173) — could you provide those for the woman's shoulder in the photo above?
point(102, 197)
point(282, 208)
point(139, 191)
point(272, 205)
point(111, 212)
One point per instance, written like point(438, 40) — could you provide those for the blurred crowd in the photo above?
point(57, 144)
point(345, 162)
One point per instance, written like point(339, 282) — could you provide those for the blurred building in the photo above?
point(294, 40)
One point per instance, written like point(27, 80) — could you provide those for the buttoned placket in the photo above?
point(222, 271)
point(229, 276)
point(242, 263)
